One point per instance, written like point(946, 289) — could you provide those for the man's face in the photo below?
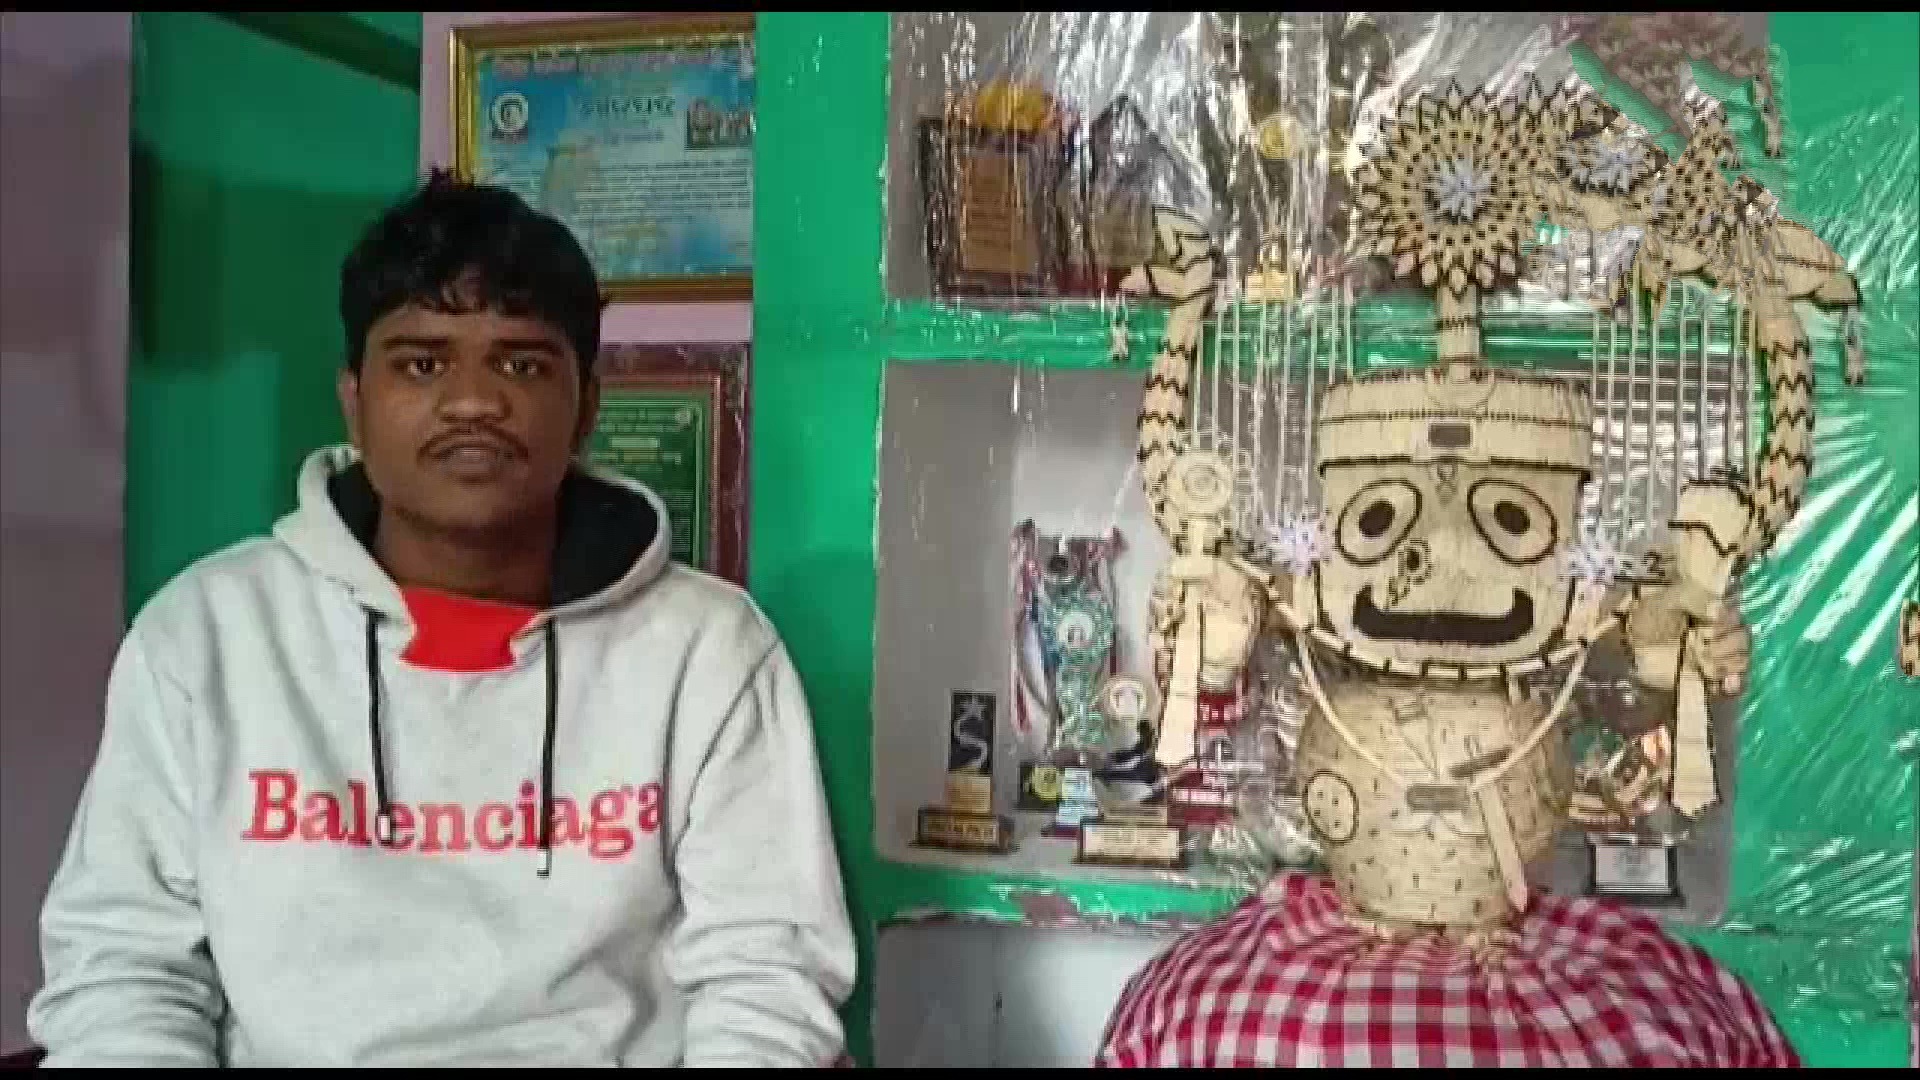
point(467, 422)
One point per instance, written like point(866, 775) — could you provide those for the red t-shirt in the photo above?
point(456, 633)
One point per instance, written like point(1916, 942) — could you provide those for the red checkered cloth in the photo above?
point(1286, 981)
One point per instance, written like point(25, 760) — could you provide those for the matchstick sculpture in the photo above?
point(1442, 572)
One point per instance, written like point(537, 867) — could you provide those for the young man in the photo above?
point(455, 768)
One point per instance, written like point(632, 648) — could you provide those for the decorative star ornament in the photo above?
point(1451, 190)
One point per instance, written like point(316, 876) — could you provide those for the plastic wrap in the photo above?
point(1251, 121)
point(1027, 154)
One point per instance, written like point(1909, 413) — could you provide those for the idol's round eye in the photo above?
point(1517, 524)
point(1375, 520)
point(1510, 517)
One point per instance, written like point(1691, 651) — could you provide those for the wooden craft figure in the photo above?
point(1442, 598)
point(1451, 496)
point(1208, 606)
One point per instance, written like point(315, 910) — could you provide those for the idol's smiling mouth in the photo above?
point(1444, 627)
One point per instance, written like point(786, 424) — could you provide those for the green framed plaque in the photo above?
point(673, 418)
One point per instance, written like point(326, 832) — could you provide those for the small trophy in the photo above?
point(1040, 786)
point(1201, 793)
point(1138, 835)
point(1079, 801)
point(966, 822)
point(1119, 705)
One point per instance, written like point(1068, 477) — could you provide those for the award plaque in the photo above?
point(636, 131)
point(1629, 870)
point(1111, 230)
point(967, 821)
point(1201, 793)
point(1131, 838)
point(674, 417)
point(991, 230)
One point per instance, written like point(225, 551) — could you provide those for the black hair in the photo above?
point(456, 246)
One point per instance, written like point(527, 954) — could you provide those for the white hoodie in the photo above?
point(225, 899)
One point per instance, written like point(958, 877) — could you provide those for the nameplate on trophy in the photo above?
point(942, 828)
point(1114, 843)
point(1635, 871)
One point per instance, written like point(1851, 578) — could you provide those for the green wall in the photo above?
point(254, 167)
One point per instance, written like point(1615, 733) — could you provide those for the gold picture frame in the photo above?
point(581, 113)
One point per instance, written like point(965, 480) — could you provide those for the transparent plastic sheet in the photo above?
point(1104, 115)
point(1026, 154)
point(675, 416)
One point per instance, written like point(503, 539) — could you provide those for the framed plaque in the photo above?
point(674, 417)
point(1647, 873)
point(992, 230)
point(636, 131)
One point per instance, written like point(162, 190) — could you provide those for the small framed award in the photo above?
point(636, 131)
point(1624, 869)
point(674, 417)
point(991, 230)
point(966, 821)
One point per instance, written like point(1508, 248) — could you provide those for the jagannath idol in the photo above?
point(1442, 621)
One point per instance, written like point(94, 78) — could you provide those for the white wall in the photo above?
point(955, 995)
point(64, 137)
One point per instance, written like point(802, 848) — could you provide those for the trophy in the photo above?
point(1063, 652)
point(966, 822)
point(1128, 835)
point(1063, 647)
point(1201, 793)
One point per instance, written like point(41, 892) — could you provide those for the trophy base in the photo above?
point(955, 830)
point(1122, 842)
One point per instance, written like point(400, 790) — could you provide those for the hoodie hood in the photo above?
point(612, 541)
point(614, 536)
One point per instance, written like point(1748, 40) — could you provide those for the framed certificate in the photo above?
point(674, 417)
point(635, 131)
point(990, 198)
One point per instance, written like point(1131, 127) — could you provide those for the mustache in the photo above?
point(1444, 627)
point(472, 433)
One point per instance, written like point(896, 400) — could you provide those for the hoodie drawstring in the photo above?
point(383, 818)
point(546, 749)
